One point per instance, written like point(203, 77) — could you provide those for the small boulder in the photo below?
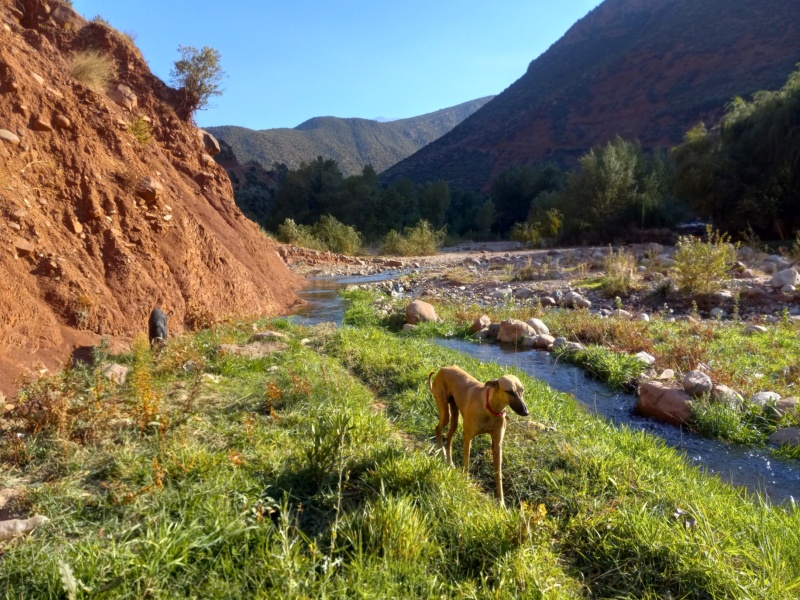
point(210, 143)
point(574, 347)
point(548, 301)
point(722, 394)
point(787, 406)
point(124, 96)
point(480, 323)
point(420, 312)
point(544, 342)
point(697, 383)
point(538, 326)
point(494, 330)
point(648, 359)
point(482, 334)
point(529, 341)
point(785, 277)
point(523, 293)
point(116, 373)
point(764, 398)
point(666, 375)
point(513, 330)
point(149, 189)
point(788, 435)
point(22, 246)
point(667, 404)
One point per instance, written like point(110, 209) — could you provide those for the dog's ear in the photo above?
point(492, 384)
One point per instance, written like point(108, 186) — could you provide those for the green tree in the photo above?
point(197, 75)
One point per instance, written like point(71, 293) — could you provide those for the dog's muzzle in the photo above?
point(517, 404)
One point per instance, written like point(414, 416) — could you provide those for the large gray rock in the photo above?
point(764, 398)
point(667, 404)
point(788, 435)
point(513, 330)
point(697, 383)
point(539, 326)
point(420, 312)
point(785, 277)
point(575, 300)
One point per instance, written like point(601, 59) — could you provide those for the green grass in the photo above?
point(311, 473)
point(611, 492)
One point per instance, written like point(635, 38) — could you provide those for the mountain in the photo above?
point(98, 223)
point(643, 69)
point(353, 143)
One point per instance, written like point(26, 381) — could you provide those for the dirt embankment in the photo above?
point(97, 227)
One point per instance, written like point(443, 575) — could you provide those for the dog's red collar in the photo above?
point(489, 408)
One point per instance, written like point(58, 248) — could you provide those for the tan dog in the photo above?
point(483, 407)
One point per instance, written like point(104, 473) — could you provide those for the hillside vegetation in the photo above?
point(640, 69)
point(352, 143)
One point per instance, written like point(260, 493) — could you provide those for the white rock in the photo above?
point(718, 313)
point(539, 326)
point(646, 358)
point(785, 277)
point(751, 329)
point(764, 398)
point(16, 527)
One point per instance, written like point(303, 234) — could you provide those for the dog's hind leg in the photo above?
point(451, 431)
point(444, 419)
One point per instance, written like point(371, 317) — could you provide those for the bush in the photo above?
point(197, 75)
point(420, 240)
point(141, 130)
point(290, 232)
point(92, 69)
point(619, 268)
point(337, 236)
point(527, 233)
point(326, 234)
point(703, 266)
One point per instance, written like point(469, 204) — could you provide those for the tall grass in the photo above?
point(93, 69)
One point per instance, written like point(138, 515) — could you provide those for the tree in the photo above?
point(197, 75)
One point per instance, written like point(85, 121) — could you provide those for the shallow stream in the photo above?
point(754, 468)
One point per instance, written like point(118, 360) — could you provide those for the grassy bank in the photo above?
point(310, 473)
point(748, 363)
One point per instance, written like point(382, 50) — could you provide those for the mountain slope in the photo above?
point(645, 69)
point(353, 143)
point(96, 227)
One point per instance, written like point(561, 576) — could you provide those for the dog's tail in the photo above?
point(430, 383)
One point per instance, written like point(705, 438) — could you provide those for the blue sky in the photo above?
point(292, 60)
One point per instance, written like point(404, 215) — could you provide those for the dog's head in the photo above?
point(509, 389)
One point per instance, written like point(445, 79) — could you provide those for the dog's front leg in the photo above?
point(497, 456)
point(467, 443)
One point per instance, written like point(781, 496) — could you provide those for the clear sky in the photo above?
point(287, 61)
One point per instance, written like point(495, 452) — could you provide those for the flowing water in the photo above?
point(754, 468)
